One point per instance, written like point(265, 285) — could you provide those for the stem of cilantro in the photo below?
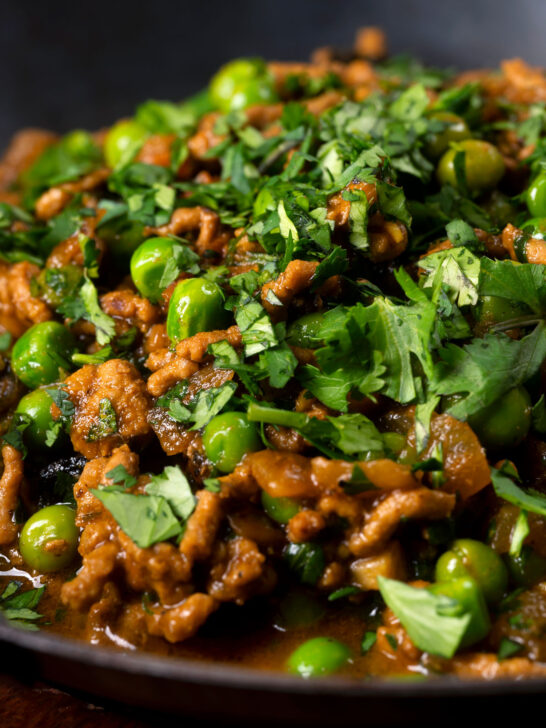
point(273, 416)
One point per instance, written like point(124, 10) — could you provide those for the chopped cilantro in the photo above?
point(508, 648)
point(18, 607)
point(107, 422)
point(368, 641)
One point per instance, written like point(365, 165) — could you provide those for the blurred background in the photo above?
point(75, 64)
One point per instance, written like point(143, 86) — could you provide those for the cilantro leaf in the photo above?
point(459, 270)
point(256, 328)
point(279, 363)
point(487, 368)
point(506, 488)
point(173, 485)
point(525, 283)
point(420, 613)
point(210, 402)
point(400, 332)
point(146, 519)
point(460, 233)
point(119, 475)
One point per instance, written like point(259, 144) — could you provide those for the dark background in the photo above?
point(66, 64)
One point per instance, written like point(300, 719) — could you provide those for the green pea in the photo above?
point(196, 305)
point(122, 237)
point(535, 197)
point(467, 599)
point(468, 557)
point(279, 509)
point(43, 354)
point(319, 656)
point(527, 568)
point(305, 331)
point(148, 264)
point(306, 561)
point(493, 310)
point(36, 406)
point(241, 83)
point(455, 130)
point(395, 442)
point(49, 539)
point(483, 165)
point(198, 104)
point(499, 208)
point(505, 422)
point(253, 92)
point(122, 141)
point(227, 438)
point(298, 609)
point(55, 284)
point(536, 227)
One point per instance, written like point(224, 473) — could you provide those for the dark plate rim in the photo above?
point(229, 676)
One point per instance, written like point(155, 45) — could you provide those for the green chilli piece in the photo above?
point(43, 354)
point(467, 598)
point(535, 197)
point(241, 83)
point(505, 422)
point(483, 165)
point(455, 130)
point(468, 557)
point(49, 539)
point(227, 438)
point(148, 264)
point(305, 331)
point(319, 656)
point(36, 408)
point(122, 141)
point(279, 509)
point(196, 305)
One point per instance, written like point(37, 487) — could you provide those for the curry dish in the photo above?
point(272, 371)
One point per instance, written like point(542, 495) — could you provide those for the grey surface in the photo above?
point(65, 64)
